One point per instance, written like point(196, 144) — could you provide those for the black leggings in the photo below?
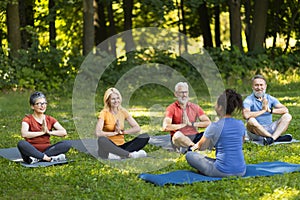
point(26, 149)
point(106, 146)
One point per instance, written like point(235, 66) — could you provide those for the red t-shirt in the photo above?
point(41, 142)
point(174, 111)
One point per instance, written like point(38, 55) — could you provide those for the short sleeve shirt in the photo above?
point(227, 136)
point(253, 104)
point(110, 121)
point(41, 142)
point(175, 112)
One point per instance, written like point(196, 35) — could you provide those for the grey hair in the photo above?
point(259, 76)
point(181, 84)
point(34, 96)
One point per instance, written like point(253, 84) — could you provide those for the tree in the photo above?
point(205, 25)
point(127, 7)
point(295, 14)
point(217, 25)
point(88, 26)
point(112, 27)
point(258, 26)
point(26, 21)
point(100, 22)
point(13, 27)
point(235, 23)
point(52, 17)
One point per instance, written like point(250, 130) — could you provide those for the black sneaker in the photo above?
point(268, 140)
point(284, 138)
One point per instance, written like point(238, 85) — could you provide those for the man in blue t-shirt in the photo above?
point(258, 110)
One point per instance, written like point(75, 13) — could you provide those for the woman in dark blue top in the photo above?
point(227, 136)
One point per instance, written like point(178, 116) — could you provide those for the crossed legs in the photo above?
point(282, 125)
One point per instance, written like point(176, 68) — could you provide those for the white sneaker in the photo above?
point(138, 154)
point(112, 156)
point(60, 157)
point(33, 160)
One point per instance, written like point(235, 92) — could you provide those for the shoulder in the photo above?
point(124, 111)
point(193, 105)
point(50, 118)
point(270, 97)
point(27, 118)
point(103, 113)
point(249, 99)
point(173, 106)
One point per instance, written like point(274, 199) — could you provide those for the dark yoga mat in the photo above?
point(13, 154)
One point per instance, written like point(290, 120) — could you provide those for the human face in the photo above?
point(259, 87)
point(182, 95)
point(114, 100)
point(39, 106)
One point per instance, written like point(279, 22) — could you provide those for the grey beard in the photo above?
point(181, 101)
point(259, 95)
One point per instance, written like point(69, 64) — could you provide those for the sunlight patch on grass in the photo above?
point(282, 193)
point(155, 161)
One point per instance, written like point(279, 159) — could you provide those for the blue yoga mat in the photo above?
point(188, 177)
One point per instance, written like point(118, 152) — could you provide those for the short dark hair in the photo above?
point(259, 76)
point(34, 96)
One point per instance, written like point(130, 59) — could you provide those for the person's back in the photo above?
point(229, 148)
point(227, 136)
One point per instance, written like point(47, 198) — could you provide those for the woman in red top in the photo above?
point(37, 129)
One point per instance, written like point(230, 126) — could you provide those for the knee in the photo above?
point(102, 139)
point(177, 135)
point(287, 117)
point(252, 121)
point(67, 144)
point(21, 144)
point(144, 136)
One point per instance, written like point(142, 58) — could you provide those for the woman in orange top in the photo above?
point(110, 130)
point(37, 129)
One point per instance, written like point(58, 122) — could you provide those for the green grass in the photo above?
point(87, 178)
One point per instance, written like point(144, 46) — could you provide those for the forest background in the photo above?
point(47, 38)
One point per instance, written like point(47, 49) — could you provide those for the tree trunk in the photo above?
point(112, 28)
point(235, 23)
point(184, 31)
point(88, 26)
point(26, 19)
point(217, 25)
point(13, 28)
point(52, 29)
point(295, 14)
point(100, 23)
point(258, 27)
point(247, 21)
point(128, 38)
point(205, 25)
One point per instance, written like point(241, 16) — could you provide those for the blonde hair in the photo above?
point(107, 95)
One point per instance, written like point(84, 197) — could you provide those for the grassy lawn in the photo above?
point(87, 178)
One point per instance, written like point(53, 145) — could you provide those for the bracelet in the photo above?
point(271, 110)
point(193, 124)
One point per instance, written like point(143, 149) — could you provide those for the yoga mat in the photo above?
point(88, 146)
point(13, 154)
point(181, 177)
point(163, 141)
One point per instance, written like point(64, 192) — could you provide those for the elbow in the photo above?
point(246, 117)
point(138, 129)
point(64, 133)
